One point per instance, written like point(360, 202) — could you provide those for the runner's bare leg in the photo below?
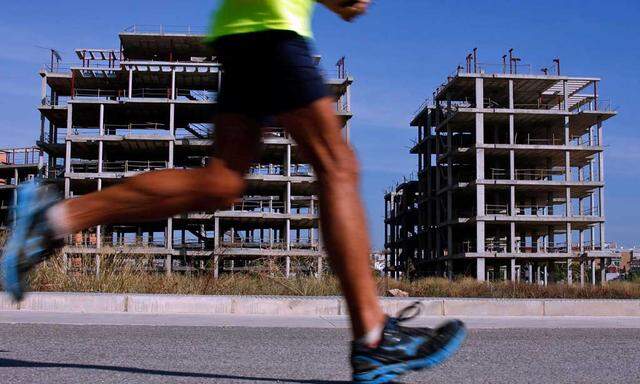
point(161, 194)
point(317, 131)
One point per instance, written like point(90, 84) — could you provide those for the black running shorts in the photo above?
point(267, 73)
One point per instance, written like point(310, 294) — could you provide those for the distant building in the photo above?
point(17, 165)
point(148, 106)
point(510, 178)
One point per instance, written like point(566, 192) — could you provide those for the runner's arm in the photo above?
point(347, 9)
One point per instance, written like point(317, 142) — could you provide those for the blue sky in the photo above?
point(398, 54)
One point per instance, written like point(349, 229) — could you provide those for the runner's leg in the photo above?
point(161, 194)
point(317, 131)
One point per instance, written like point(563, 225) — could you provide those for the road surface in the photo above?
point(46, 348)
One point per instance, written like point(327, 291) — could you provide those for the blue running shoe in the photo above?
point(404, 349)
point(31, 241)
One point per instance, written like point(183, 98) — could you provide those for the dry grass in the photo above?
point(120, 277)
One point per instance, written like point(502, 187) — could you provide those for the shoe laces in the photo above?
point(409, 313)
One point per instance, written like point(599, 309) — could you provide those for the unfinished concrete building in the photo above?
point(148, 106)
point(17, 165)
point(510, 177)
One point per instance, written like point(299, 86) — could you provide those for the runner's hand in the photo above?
point(348, 10)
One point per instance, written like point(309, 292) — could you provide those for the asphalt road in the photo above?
point(50, 353)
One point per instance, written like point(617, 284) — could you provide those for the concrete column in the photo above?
point(479, 93)
point(601, 189)
point(217, 234)
point(287, 161)
point(565, 94)
point(511, 98)
point(287, 198)
point(320, 266)
point(130, 83)
point(603, 270)
point(216, 266)
point(569, 272)
point(582, 273)
point(480, 269)
point(569, 239)
point(513, 270)
point(480, 174)
point(43, 90)
point(530, 270)
point(169, 239)
point(512, 238)
point(98, 257)
point(287, 234)
point(593, 271)
point(172, 132)
point(101, 121)
point(173, 84)
point(287, 267)
point(546, 275)
point(67, 165)
point(480, 237)
point(67, 159)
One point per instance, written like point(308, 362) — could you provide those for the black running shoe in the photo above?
point(404, 349)
point(31, 240)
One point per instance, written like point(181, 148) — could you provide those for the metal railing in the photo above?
point(581, 141)
point(271, 169)
point(304, 244)
point(49, 102)
point(133, 166)
point(265, 206)
point(536, 174)
point(528, 140)
point(602, 105)
point(524, 69)
point(587, 212)
point(498, 173)
point(496, 209)
point(534, 210)
point(163, 29)
point(156, 129)
point(57, 67)
point(20, 156)
point(151, 93)
point(499, 246)
point(335, 74)
point(99, 93)
point(557, 247)
point(118, 166)
point(253, 243)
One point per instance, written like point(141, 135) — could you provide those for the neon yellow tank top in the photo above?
point(245, 16)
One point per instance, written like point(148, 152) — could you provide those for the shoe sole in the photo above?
point(10, 273)
point(389, 373)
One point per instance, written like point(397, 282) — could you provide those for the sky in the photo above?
point(397, 54)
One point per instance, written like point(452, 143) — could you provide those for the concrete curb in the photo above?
point(309, 306)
